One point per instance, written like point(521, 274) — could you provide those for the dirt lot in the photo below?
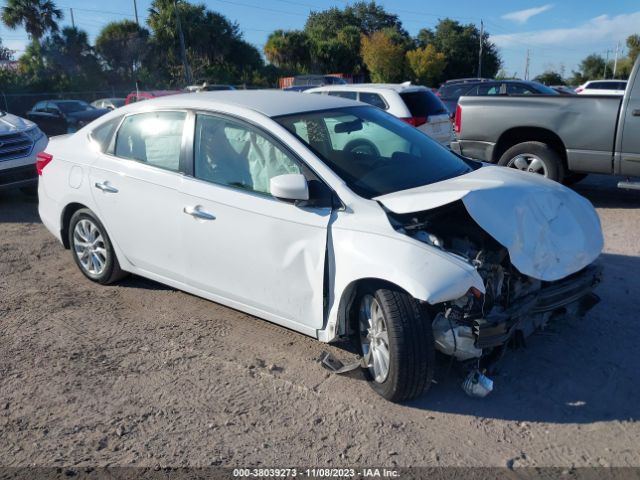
point(141, 374)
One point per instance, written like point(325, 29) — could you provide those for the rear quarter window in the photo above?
point(373, 99)
point(423, 103)
point(349, 95)
point(103, 134)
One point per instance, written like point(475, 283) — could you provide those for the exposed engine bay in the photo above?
point(479, 325)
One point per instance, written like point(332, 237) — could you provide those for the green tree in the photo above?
point(334, 35)
point(549, 77)
point(213, 43)
point(36, 16)
point(592, 67)
point(289, 50)
point(383, 56)
point(633, 46)
point(6, 54)
point(426, 64)
point(123, 46)
point(461, 46)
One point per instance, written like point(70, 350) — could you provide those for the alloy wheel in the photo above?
point(528, 162)
point(89, 247)
point(374, 338)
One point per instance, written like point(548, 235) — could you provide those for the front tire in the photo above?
point(534, 157)
point(396, 341)
point(92, 249)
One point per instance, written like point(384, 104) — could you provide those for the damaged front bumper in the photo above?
point(573, 294)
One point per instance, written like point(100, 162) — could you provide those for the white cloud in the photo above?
point(522, 16)
point(596, 30)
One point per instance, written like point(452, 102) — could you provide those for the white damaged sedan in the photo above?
point(325, 216)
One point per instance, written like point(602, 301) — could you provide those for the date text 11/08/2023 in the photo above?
point(316, 472)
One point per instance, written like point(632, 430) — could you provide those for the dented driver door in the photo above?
point(245, 248)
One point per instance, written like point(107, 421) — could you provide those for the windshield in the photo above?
point(75, 106)
point(372, 151)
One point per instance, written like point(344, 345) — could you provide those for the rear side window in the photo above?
point(349, 95)
point(103, 134)
point(489, 89)
point(373, 99)
point(154, 138)
point(423, 103)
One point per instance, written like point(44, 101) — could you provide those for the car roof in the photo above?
point(271, 103)
point(355, 87)
point(605, 81)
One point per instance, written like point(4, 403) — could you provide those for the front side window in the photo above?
point(237, 155)
point(374, 152)
point(154, 138)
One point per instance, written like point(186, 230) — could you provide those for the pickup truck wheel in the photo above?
point(396, 341)
point(534, 157)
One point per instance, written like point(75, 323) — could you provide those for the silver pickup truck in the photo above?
point(562, 137)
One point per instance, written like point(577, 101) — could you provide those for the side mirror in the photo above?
point(289, 187)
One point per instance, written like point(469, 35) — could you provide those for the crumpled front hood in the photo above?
point(549, 230)
point(10, 124)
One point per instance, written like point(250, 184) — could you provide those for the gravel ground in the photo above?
point(141, 374)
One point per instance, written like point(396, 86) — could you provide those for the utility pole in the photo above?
point(183, 53)
point(526, 66)
point(73, 22)
point(604, 74)
point(135, 10)
point(480, 53)
point(615, 62)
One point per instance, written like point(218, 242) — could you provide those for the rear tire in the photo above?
point(392, 326)
point(534, 157)
point(91, 248)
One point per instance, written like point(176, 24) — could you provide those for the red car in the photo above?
point(147, 95)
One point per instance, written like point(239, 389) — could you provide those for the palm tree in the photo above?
point(36, 16)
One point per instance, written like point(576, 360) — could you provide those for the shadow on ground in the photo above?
point(577, 371)
point(16, 207)
point(603, 192)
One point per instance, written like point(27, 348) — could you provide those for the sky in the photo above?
point(557, 34)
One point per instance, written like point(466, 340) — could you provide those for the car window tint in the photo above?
point(349, 95)
point(373, 99)
point(423, 103)
point(237, 155)
point(154, 138)
point(103, 134)
point(40, 107)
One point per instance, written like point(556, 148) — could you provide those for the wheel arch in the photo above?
point(350, 294)
point(65, 220)
point(518, 135)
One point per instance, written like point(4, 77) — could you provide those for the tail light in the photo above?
point(457, 121)
point(415, 121)
point(42, 160)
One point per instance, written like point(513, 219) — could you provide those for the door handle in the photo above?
point(197, 212)
point(105, 187)
point(636, 113)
